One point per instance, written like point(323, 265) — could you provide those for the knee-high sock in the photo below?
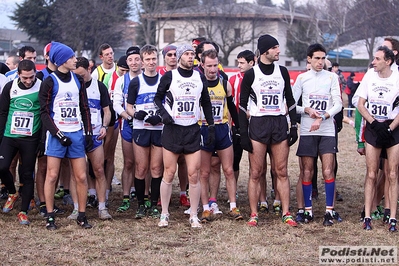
point(195, 194)
point(307, 193)
point(329, 187)
point(166, 193)
point(155, 190)
point(140, 189)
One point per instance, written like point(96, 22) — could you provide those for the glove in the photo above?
point(130, 122)
point(65, 141)
point(40, 149)
point(292, 136)
point(154, 120)
point(381, 129)
point(140, 115)
point(211, 135)
point(88, 143)
point(246, 142)
point(167, 119)
point(338, 118)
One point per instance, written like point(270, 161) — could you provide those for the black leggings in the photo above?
point(27, 149)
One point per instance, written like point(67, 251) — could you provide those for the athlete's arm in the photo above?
point(163, 87)
point(244, 96)
point(84, 108)
point(289, 98)
point(206, 101)
point(132, 95)
point(105, 103)
point(336, 98)
point(231, 106)
point(46, 101)
point(118, 97)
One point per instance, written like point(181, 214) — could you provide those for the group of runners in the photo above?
point(188, 117)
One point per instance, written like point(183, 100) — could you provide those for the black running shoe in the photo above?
point(82, 221)
point(50, 225)
point(3, 193)
point(328, 219)
point(367, 224)
point(43, 210)
point(91, 201)
point(392, 225)
point(58, 211)
point(300, 217)
point(308, 217)
point(336, 216)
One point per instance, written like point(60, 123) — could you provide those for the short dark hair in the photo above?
point(316, 47)
point(103, 47)
point(22, 51)
point(335, 64)
point(200, 48)
point(388, 54)
point(212, 53)
point(247, 55)
point(395, 45)
point(26, 65)
point(82, 62)
point(148, 49)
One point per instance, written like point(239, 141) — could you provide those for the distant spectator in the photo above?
point(351, 87)
point(336, 70)
point(92, 65)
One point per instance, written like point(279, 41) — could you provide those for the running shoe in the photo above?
point(184, 201)
point(253, 220)
point(164, 220)
point(3, 193)
point(59, 194)
point(73, 215)
point(392, 225)
point(300, 217)
point(287, 219)
point(215, 208)
point(386, 218)
point(147, 204)
point(115, 181)
point(277, 209)
point(58, 211)
point(362, 214)
point(141, 212)
point(206, 216)
point(153, 212)
point(375, 215)
point(308, 217)
point(67, 199)
point(43, 210)
point(235, 214)
point(264, 208)
point(328, 219)
point(336, 216)
point(367, 224)
point(132, 195)
point(195, 222)
point(82, 222)
point(124, 207)
point(92, 202)
point(9, 205)
point(32, 205)
point(23, 218)
point(104, 214)
point(50, 225)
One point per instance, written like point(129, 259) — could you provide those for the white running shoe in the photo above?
point(115, 181)
point(104, 214)
point(215, 208)
point(164, 220)
point(195, 222)
point(74, 215)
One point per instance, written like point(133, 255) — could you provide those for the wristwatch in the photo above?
point(106, 127)
point(129, 117)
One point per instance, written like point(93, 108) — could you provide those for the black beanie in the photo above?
point(265, 42)
point(122, 62)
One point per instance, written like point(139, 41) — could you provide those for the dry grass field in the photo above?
point(126, 241)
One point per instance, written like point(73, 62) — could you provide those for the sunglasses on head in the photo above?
point(170, 55)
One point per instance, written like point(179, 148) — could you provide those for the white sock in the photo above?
point(183, 193)
point(205, 207)
point(101, 206)
point(92, 191)
point(75, 206)
point(233, 205)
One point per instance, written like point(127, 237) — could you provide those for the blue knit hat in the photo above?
point(60, 53)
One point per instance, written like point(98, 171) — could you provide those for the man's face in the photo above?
point(30, 56)
point(187, 60)
point(107, 56)
point(122, 71)
point(379, 63)
point(85, 74)
point(170, 59)
point(10, 63)
point(273, 54)
point(334, 69)
point(150, 62)
point(27, 77)
point(70, 64)
point(317, 61)
point(210, 68)
point(134, 62)
point(243, 65)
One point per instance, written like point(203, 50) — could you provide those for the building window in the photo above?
point(201, 32)
point(237, 35)
point(169, 35)
point(288, 63)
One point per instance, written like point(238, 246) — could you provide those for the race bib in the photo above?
point(270, 101)
point(68, 113)
point(318, 102)
point(184, 108)
point(379, 109)
point(22, 123)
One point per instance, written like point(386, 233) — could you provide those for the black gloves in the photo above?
point(140, 115)
point(246, 142)
point(154, 120)
point(88, 143)
point(65, 141)
point(338, 118)
point(166, 118)
point(292, 136)
point(40, 149)
point(211, 135)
